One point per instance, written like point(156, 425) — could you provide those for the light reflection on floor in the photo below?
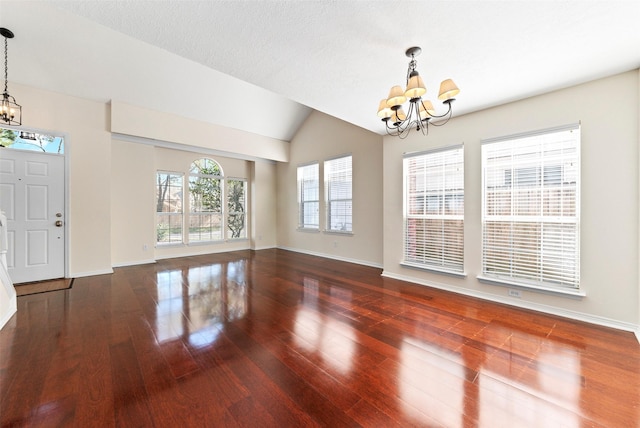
point(197, 302)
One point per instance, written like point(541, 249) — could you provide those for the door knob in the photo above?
point(59, 223)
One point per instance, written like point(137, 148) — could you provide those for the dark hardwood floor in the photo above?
point(275, 338)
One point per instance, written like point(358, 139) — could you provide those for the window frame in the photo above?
point(231, 213)
point(193, 213)
point(446, 253)
point(333, 169)
point(180, 214)
point(303, 202)
point(557, 237)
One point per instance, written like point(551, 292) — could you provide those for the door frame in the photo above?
point(67, 168)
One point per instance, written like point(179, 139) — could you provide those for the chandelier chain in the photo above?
point(6, 67)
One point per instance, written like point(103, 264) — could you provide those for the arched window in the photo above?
point(205, 201)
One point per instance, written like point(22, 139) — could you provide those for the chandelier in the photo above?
point(10, 111)
point(420, 112)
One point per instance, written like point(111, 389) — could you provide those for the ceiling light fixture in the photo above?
point(420, 112)
point(10, 111)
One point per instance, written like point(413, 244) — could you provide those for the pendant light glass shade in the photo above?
point(415, 87)
point(384, 110)
point(396, 96)
point(448, 90)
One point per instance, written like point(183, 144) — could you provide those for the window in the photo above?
point(236, 205)
point(309, 196)
point(33, 141)
point(337, 179)
point(530, 214)
point(169, 214)
point(434, 209)
point(205, 201)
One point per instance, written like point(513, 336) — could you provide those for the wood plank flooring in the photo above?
point(274, 338)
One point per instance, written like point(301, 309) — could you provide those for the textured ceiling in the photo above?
point(260, 65)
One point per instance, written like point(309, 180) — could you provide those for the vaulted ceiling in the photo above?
point(261, 66)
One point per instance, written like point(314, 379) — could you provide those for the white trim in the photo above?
point(436, 269)
point(263, 248)
point(92, 273)
point(331, 256)
point(407, 155)
point(8, 316)
point(519, 135)
point(572, 292)
point(139, 262)
point(578, 316)
point(201, 253)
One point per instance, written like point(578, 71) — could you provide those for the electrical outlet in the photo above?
point(145, 247)
point(515, 293)
point(335, 244)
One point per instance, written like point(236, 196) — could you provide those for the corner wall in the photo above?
point(609, 204)
point(322, 137)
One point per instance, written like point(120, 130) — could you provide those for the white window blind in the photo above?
point(531, 206)
point(434, 209)
point(309, 196)
point(338, 188)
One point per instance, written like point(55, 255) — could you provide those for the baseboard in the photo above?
point(92, 273)
point(5, 319)
point(333, 257)
point(139, 262)
point(266, 247)
point(578, 316)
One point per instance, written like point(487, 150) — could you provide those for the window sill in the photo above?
point(568, 292)
point(433, 269)
point(303, 229)
point(169, 245)
point(202, 243)
point(337, 232)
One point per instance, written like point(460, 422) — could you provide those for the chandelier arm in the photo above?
point(448, 115)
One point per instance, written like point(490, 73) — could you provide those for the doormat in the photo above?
point(28, 288)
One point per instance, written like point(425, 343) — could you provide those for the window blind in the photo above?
point(309, 196)
point(338, 189)
point(530, 208)
point(434, 209)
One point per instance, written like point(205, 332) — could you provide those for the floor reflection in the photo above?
point(195, 302)
point(317, 333)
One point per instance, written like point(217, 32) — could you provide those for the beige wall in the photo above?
point(132, 203)
point(84, 124)
point(134, 166)
point(320, 138)
point(264, 194)
point(608, 112)
point(140, 122)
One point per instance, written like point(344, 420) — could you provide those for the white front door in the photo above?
point(32, 198)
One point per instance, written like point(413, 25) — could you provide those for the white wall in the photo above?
point(320, 138)
point(608, 111)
